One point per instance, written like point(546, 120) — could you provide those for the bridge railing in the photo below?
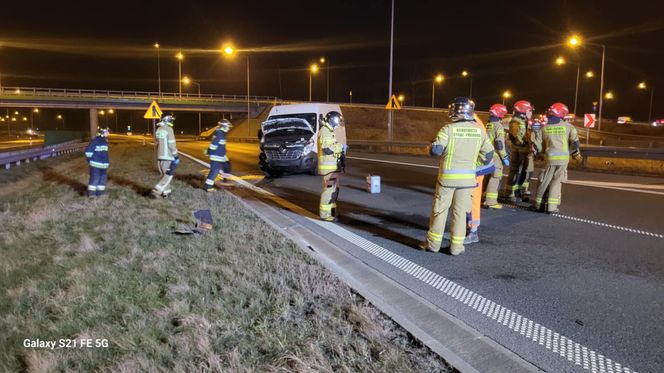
point(17, 157)
point(96, 93)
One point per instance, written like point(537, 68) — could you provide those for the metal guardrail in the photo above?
point(17, 157)
point(95, 93)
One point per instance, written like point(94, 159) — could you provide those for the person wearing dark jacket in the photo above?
point(97, 154)
point(217, 152)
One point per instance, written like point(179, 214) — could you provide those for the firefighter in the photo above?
point(520, 150)
point(97, 154)
point(473, 216)
point(496, 134)
point(458, 144)
point(331, 157)
point(217, 152)
point(556, 142)
point(167, 156)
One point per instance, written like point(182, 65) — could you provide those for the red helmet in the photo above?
point(498, 110)
point(558, 110)
point(523, 107)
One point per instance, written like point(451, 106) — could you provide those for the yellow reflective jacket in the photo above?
point(462, 143)
point(329, 150)
point(519, 136)
point(554, 140)
point(496, 134)
point(166, 149)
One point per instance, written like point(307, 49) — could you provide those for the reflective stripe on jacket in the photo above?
point(496, 134)
point(166, 148)
point(554, 140)
point(462, 143)
point(97, 152)
point(217, 148)
point(327, 143)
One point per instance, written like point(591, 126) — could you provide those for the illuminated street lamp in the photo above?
point(506, 95)
point(229, 51)
point(324, 61)
point(644, 86)
point(401, 98)
point(590, 74)
point(25, 119)
point(467, 74)
point(16, 113)
point(560, 61)
point(313, 69)
point(609, 95)
point(437, 79)
point(180, 57)
point(575, 41)
point(188, 81)
point(35, 110)
point(157, 47)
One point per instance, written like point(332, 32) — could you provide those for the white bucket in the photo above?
point(373, 184)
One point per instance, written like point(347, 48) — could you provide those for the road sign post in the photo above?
point(392, 104)
point(588, 122)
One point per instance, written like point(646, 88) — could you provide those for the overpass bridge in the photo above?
point(94, 100)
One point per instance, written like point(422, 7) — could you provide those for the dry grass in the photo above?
point(243, 298)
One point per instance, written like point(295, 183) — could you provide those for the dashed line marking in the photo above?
point(593, 222)
point(550, 340)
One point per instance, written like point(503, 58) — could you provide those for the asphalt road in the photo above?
point(593, 274)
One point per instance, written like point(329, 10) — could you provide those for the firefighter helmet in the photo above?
point(524, 107)
point(462, 108)
point(103, 132)
point(334, 119)
point(225, 125)
point(498, 110)
point(558, 110)
point(167, 120)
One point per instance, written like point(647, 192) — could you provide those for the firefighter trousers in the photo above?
point(328, 196)
point(517, 173)
point(492, 183)
point(215, 168)
point(550, 182)
point(459, 199)
point(474, 221)
point(97, 181)
point(164, 184)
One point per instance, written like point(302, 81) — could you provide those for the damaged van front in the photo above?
point(288, 144)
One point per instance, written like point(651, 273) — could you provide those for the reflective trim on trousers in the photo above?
point(434, 237)
point(327, 206)
point(558, 157)
point(447, 176)
point(212, 147)
point(92, 188)
point(218, 158)
point(89, 154)
point(553, 201)
point(98, 164)
point(209, 182)
point(491, 195)
point(457, 240)
point(101, 187)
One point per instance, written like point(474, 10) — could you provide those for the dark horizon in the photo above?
point(510, 47)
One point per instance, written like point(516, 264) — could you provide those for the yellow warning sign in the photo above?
point(153, 112)
point(393, 104)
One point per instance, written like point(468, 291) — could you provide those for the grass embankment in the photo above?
point(241, 298)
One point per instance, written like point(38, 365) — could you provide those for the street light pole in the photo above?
point(248, 103)
point(156, 45)
point(433, 92)
point(576, 92)
point(652, 95)
point(310, 72)
point(179, 56)
point(601, 90)
point(389, 94)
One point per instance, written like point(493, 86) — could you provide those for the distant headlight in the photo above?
point(308, 148)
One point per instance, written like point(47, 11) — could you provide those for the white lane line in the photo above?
point(540, 335)
point(639, 188)
point(593, 222)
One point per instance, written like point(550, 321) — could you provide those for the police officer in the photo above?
point(97, 154)
point(458, 144)
point(496, 133)
point(520, 150)
point(331, 156)
point(217, 152)
point(556, 141)
point(167, 155)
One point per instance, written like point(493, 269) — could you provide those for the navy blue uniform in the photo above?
point(97, 154)
point(218, 158)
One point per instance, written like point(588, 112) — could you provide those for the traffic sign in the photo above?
point(393, 104)
point(153, 112)
point(589, 120)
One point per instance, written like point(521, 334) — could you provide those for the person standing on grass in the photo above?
point(217, 152)
point(167, 156)
point(97, 154)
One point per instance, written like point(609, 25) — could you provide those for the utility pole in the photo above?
point(389, 95)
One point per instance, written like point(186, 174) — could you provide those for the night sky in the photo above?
point(512, 46)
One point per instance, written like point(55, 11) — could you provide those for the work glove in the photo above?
point(506, 162)
point(577, 156)
point(176, 160)
point(206, 151)
point(344, 148)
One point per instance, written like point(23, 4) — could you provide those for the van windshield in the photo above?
point(308, 117)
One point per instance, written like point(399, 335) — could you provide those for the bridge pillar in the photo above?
point(94, 122)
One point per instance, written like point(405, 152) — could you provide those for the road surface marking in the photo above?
point(534, 332)
point(593, 222)
point(640, 188)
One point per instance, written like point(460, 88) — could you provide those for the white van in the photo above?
point(289, 136)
